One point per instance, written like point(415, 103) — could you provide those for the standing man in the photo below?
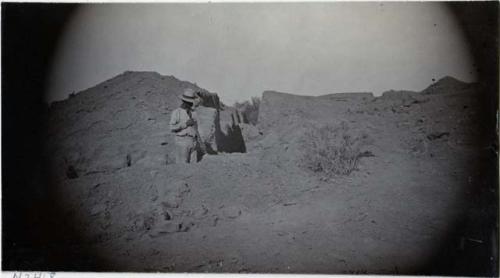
point(183, 123)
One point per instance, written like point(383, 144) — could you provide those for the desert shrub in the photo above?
point(249, 109)
point(333, 149)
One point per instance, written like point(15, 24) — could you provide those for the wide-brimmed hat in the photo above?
point(188, 95)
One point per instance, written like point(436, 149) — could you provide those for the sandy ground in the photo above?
point(260, 211)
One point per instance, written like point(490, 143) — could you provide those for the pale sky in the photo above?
point(241, 50)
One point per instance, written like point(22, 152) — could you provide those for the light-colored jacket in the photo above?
point(178, 122)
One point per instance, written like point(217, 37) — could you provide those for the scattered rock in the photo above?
point(231, 212)
point(366, 154)
point(166, 228)
point(437, 135)
point(167, 215)
point(201, 212)
point(173, 198)
point(171, 201)
point(214, 221)
point(71, 172)
point(143, 222)
point(169, 159)
point(185, 227)
point(128, 160)
point(106, 222)
point(169, 227)
point(96, 185)
point(97, 209)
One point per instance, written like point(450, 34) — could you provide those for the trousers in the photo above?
point(186, 149)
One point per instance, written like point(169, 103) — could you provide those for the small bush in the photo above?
point(333, 150)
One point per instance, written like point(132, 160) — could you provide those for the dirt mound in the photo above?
point(420, 147)
point(124, 121)
point(448, 84)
